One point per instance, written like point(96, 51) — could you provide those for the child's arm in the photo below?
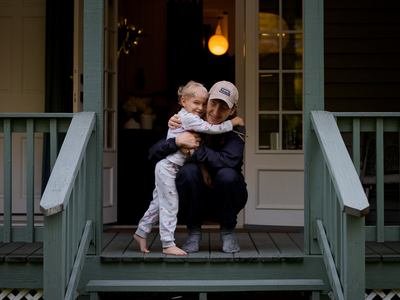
point(191, 122)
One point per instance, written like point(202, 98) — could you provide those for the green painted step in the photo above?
point(203, 285)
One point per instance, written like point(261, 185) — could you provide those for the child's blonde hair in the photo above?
point(190, 90)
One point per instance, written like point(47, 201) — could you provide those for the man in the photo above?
point(211, 186)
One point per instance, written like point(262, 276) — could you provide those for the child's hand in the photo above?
point(237, 121)
point(174, 122)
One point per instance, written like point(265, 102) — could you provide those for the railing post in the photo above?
point(54, 258)
point(93, 101)
point(314, 177)
point(313, 100)
point(354, 258)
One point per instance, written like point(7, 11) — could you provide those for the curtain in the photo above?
point(58, 68)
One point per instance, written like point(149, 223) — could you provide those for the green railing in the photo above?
point(31, 125)
point(69, 202)
point(386, 157)
point(337, 206)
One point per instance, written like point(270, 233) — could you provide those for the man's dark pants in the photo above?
point(198, 202)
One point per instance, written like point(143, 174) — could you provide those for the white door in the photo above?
point(22, 90)
point(274, 158)
point(109, 99)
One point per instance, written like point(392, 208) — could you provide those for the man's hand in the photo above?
point(206, 176)
point(174, 122)
point(189, 140)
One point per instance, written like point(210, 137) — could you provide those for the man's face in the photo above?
point(218, 111)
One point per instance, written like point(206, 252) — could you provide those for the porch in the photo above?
point(331, 255)
point(266, 257)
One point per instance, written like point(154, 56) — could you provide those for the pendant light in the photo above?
point(218, 44)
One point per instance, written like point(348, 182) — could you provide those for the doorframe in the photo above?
point(240, 72)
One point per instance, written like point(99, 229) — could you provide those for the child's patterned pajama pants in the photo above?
point(164, 206)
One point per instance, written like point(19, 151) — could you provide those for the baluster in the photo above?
point(334, 209)
point(75, 215)
point(53, 142)
point(7, 181)
point(82, 208)
point(70, 233)
point(30, 180)
point(356, 144)
point(380, 207)
point(325, 199)
point(341, 233)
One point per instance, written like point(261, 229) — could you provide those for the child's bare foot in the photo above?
point(174, 250)
point(142, 242)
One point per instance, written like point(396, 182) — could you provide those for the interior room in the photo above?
point(167, 47)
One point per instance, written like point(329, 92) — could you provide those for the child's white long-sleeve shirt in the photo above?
point(191, 122)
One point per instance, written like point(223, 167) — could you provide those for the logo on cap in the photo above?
point(225, 91)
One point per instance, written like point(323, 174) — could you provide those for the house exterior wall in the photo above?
point(361, 47)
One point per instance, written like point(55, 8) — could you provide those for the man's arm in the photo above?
point(230, 156)
point(164, 147)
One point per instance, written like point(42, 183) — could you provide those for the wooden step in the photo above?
point(204, 285)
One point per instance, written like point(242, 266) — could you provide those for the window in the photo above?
point(280, 74)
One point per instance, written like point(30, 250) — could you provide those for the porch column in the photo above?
point(313, 100)
point(93, 101)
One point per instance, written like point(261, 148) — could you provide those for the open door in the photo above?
point(274, 159)
point(109, 98)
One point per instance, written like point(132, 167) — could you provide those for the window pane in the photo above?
point(110, 89)
point(292, 54)
point(112, 49)
point(111, 13)
point(292, 91)
point(268, 8)
point(292, 127)
point(269, 92)
point(292, 14)
point(269, 132)
point(268, 44)
point(110, 130)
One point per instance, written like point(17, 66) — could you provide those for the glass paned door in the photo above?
point(274, 167)
point(280, 74)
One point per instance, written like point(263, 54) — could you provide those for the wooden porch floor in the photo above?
point(256, 245)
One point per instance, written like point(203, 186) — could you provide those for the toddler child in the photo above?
point(164, 206)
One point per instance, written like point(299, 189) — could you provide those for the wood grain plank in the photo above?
point(248, 252)
point(203, 255)
point(216, 253)
point(266, 247)
point(107, 238)
point(371, 255)
point(180, 238)
point(20, 255)
point(385, 252)
point(113, 252)
point(288, 249)
point(155, 250)
point(9, 248)
point(36, 257)
point(395, 246)
point(298, 239)
point(133, 253)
